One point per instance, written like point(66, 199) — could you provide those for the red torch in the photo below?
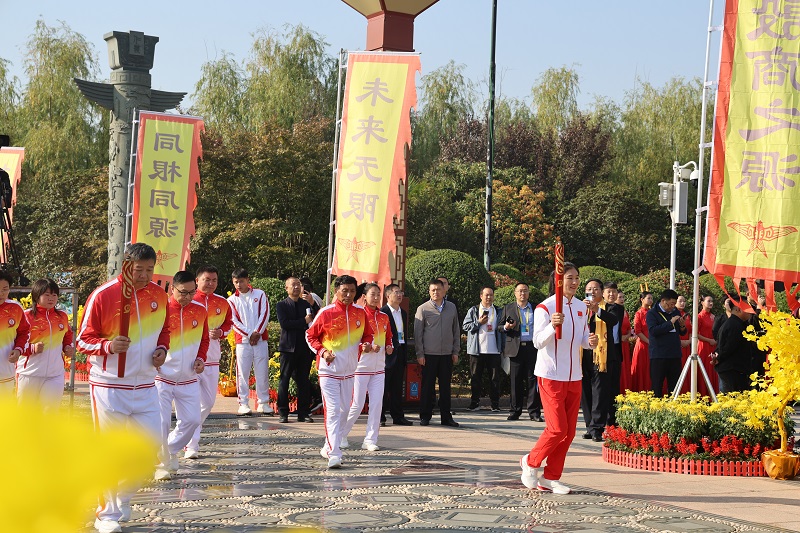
point(125, 308)
point(559, 281)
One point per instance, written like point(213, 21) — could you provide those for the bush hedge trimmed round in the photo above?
point(465, 274)
point(275, 290)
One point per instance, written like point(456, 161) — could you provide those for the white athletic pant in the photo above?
point(137, 409)
point(209, 381)
point(372, 384)
point(7, 388)
point(337, 393)
point(46, 391)
point(187, 411)
point(248, 357)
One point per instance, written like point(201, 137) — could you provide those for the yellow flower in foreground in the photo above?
point(47, 485)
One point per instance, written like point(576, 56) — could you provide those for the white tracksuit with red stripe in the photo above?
point(123, 390)
point(176, 380)
point(250, 313)
point(40, 377)
point(369, 379)
point(219, 317)
point(339, 329)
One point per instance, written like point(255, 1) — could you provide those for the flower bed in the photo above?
point(701, 437)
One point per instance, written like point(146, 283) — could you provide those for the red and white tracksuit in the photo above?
point(122, 389)
point(340, 329)
point(40, 377)
point(176, 380)
point(14, 332)
point(369, 378)
point(558, 369)
point(219, 317)
point(250, 314)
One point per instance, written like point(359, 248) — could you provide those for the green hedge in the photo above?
point(276, 291)
point(603, 274)
point(466, 276)
point(510, 271)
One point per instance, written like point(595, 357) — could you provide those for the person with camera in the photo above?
point(666, 325)
point(295, 313)
point(517, 321)
point(484, 344)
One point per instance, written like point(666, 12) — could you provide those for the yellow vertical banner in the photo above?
point(754, 194)
point(167, 174)
point(11, 159)
point(380, 91)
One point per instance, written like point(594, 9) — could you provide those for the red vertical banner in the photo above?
point(754, 194)
point(167, 175)
point(380, 91)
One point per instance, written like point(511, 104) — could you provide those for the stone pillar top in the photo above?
point(131, 50)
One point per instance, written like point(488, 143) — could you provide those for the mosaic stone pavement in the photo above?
point(254, 475)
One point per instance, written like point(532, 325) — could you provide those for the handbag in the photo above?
point(227, 384)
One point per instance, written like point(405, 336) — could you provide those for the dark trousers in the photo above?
point(437, 367)
point(295, 365)
point(393, 389)
point(524, 385)
point(477, 365)
point(733, 381)
point(664, 369)
point(599, 391)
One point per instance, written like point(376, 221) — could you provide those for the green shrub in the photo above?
point(275, 290)
point(710, 287)
point(505, 295)
point(603, 274)
point(466, 276)
point(631, 290)
point(510, 271)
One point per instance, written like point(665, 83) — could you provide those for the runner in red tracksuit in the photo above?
point(14, 332)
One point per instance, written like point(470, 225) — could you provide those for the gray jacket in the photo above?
point(472, 326)
point(436, 333)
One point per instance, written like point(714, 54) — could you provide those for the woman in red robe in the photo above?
point(686, 341)
point(626, 338)
point(640, 361)
point(706, 345)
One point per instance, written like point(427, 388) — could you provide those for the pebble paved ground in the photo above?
point(257, 475)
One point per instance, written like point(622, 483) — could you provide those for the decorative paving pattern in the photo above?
point(255, 475)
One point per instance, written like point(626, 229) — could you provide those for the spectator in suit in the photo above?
point(396, 362)
point(666, 325)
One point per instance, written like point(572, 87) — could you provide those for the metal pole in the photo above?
point(337, 134)
point(131, 179)
point(698, 221)
point(490, 148)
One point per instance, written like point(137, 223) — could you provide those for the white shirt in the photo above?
point(487, 339)
point(397, 316)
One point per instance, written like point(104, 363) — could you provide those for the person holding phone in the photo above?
point(666, 325)
point(484, 344)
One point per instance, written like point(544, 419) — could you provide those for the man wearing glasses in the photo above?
point(177, 377)
point(396, 362)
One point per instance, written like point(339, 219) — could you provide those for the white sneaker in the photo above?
point(162, 474)
point(552, 485)
point(190, 454)
point(344, 444)
point(323, 452)
point(173, 464)
point(334, 462)
point(530, 475)
point(244, 410)
point(264, 409)
point(107, 526)
point(125, 509)
point(370, 447)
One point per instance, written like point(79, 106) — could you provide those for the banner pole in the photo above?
point(334, 174)
point(131, 178)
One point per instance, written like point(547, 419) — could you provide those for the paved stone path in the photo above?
point(256, 475)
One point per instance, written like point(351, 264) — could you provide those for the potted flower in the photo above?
point(780, 385)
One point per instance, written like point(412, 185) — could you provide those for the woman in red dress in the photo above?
point(626, 337)
point(640, 361)
point(686, 340)
point(706, 344)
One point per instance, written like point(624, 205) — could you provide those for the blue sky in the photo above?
point(610, 44)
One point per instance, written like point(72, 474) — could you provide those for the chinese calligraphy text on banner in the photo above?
point(164, 199)
point(11, 161)
point(380, 91)
point(754, 196)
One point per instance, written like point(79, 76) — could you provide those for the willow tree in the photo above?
point(555, 98)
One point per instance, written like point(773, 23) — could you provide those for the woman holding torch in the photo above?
point(558, 369)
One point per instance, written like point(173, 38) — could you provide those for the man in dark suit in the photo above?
point(601, 367)
point(396, 362)
point(517, 320)
point(665, 325)
point(295, 313)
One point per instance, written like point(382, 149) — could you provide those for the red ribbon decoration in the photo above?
point(125, 309)
point(559, 281)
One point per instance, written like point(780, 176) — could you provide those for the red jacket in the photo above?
point(340, 329)
point(51, 328)
point(14, 332)
point(188, 341)
point(149, 330)
point(219, 316)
